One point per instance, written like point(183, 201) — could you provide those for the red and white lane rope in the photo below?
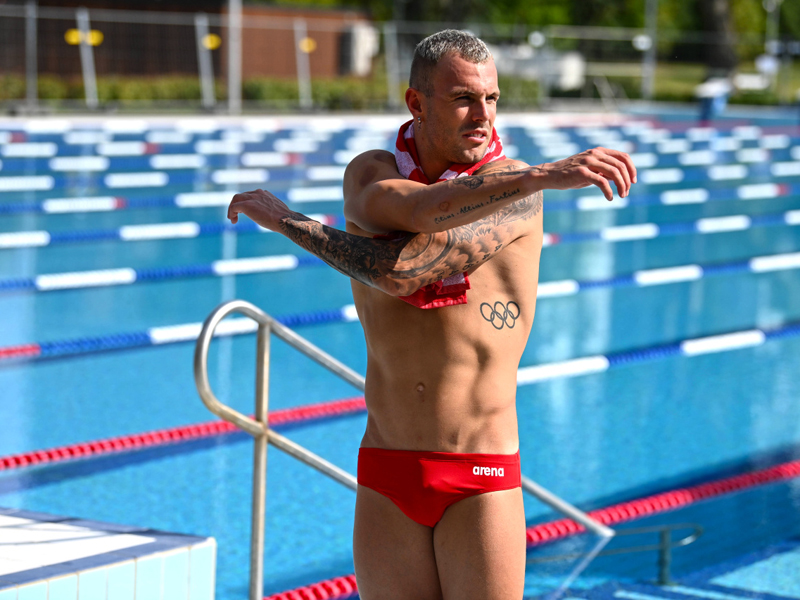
point(333, 589)
point(183, 433)
point(344, 587)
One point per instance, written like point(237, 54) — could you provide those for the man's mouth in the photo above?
point(477, 136)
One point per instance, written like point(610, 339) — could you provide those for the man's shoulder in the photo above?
point(369, 158)
point(367, 168)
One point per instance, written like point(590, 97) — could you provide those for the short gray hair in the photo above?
point(434, 47)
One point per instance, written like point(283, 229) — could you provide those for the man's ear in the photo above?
point(415, 101)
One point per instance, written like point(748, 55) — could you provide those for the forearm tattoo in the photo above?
point(476, 181)
point(472, 183)
point(413, 260)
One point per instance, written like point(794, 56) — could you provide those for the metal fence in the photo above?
point(262, 58)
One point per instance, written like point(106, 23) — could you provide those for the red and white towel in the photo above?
point(452, 290)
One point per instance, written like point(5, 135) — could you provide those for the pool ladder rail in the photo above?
point(664, 547)
point(258, 427)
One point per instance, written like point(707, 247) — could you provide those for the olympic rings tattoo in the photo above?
point(501, 315)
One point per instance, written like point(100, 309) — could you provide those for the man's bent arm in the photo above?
point(378, 199)
point(400, 266)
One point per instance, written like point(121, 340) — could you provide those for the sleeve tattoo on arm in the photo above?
point(411, 259)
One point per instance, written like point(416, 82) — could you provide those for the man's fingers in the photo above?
point(232, 213)
point(625, 158)
point(623, 170)
point(609, 171)
point(600, 182)
point(234, 207)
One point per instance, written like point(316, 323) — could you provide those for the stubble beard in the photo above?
point(452, 148)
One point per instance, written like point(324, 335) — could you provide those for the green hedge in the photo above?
point(340, 93)
point(11, 87)
point(343, 93)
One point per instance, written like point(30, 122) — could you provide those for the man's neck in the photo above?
point(432, 166)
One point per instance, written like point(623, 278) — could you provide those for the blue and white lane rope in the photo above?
point(669, 197)
point(126, 276)
point(192, 229)
point(255, 177)
point(289, 262)
point(135, 233)
point(691, 347)
point(221, 141)
point(667, 275)
point(289, 180)
point(160, 336)
point(332, 163)
point(643, 231)
point(225, 157)
point(564, 138)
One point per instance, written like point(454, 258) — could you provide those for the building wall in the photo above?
point(128, 48)
point(268, 40)
point(162, 48)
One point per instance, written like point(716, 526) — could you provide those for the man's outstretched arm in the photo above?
point(379, 199)
point(402, 265)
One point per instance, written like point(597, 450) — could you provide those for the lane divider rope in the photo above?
point(157, 336)
point(594, 201)
point(68, 153)
point(338, 588)
point(174, 435)
point(344, 587)
point(288, 262)
point(189, 332)
point(526, 376)
point(136, 233)
point(543, 533)
point(192, 229)
point(666, 501)
point(182, 151)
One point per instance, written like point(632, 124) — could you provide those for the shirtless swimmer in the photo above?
point(439, 510)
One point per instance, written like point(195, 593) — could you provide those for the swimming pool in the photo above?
point(714, 201)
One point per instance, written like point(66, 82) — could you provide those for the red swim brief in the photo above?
point(424, 484)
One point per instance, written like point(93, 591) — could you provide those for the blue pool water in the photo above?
point(594, 440)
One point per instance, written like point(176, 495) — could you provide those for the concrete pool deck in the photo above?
point(48, 557)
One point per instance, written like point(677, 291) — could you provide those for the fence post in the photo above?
point(392, 66)
point(545, 55)
point(204, 63)
point(31, 64)
point(87, 58)
point(235, 56)
point(649, 55)
point(303, 66)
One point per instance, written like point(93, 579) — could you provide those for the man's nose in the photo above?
point(480, 111)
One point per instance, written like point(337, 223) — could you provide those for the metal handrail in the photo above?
point(566, 509)
point(258, 427)
point(664, 547)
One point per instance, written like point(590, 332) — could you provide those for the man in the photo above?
point(439, 510)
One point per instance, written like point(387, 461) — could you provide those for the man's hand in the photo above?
point(261, 206)
point(597, 167)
